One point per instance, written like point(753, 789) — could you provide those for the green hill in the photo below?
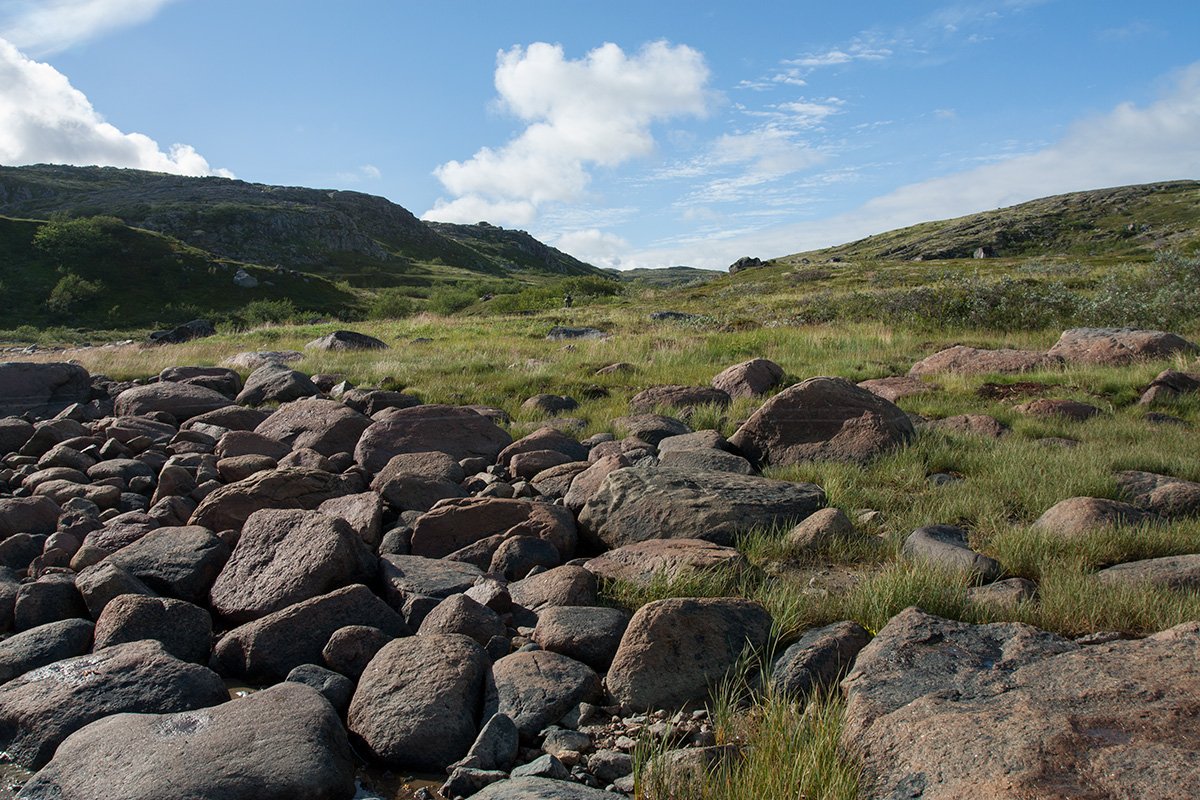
point(1130, 222)
point(365, 240)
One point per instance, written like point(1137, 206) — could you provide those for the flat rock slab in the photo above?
point(181, 400)
point(1056, 407)
point(539, 789)
point(961, 360)
point(940, 709)
point(326, 426)
point(645, 562)
point(456, 523)
point(822, 419)
point(895, 388)
point(283, 743)
point(1117, 346)
point(634, 505)
point(1170, 572)
point(983, 425)
point(42, 708)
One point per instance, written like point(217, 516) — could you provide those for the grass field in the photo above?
point(502, 359)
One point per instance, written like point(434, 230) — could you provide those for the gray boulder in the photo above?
point(418, 702)
point(228, 507)
point(41, 708)
point(41, 389)
point(275, 383)
point(537, 688)
point(178, 562)
point(184, 630)
point(283, 743)
point(460, 432)
point(674, 651)
point(822, 419)
point(946, 546)
point(818, 658)
point(633, 505)
point(940, 709)
point(45, 644)
point(269, 648)
point(326, 426)
point(285, 556)
point(181, 400)
point(341, 341)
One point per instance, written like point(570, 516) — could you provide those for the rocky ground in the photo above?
point(414, 589)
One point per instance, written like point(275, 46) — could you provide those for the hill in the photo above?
point(365, 240)
point(1130, 222)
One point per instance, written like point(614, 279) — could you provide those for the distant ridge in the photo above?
point(1126, 221)
point(362, 238)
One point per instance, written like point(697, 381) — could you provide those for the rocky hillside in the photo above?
point(362, 238)
point(1128, 221)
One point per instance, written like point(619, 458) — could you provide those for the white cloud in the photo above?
point(1128, 145)
point(48, 26)
point(594, 246)
point(367, 172)
point(43, 119)
point(596, 111)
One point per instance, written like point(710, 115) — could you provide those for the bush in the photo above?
point(75, 242)
point(451, 299)
point(71, 292)
point(391, 304)
point(261, 312)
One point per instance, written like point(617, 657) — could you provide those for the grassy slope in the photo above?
point(146, 280)
point(1127, 222)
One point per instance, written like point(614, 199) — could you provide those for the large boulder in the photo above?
point(44, 645)
point(32, 515)
point(275, 383)
point(287, 487)
point(407, 576)
point(181, 400)
point(961, 360)
point(219, 379)
point(285, 556)
point(267, 649)
point(1117, 346)
point(752, 378)
point(538, 688)
point(1076, 517)
point(42, 708)
point(1170, 572)
point(822, 419)
point(326, 426)
point(419, 701)
point(675, 396)
point(457, 523)
point(940, 709)
point(460, 432)
point(818, 659)
point(283, 743)
point(341, 341)
point(643, 563)
point(634, 505)
point(1161, 494)
point(674, 651)
point(183, 629)
point(180, 562)
point(41, 389)
point(1169, 385)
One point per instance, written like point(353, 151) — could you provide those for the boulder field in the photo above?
point(406, 586)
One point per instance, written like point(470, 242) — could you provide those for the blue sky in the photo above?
point(629, 134)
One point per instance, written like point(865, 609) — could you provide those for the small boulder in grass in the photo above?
point(1053, 407)
point(752, 378)
point(946, 546)
point(1077, 517)
point(820, 527)
point(341, 341)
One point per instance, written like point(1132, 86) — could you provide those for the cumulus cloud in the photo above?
point(48, 26)
point(596, 111)
point(595, 247)
point(45, 119)
point(1128, 145)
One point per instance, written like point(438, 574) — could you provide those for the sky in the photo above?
point(628, 134)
